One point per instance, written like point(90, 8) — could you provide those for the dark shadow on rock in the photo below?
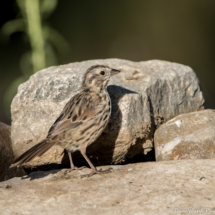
point(150, 156)
point(101, 151)
point(40, 174)
point(152, 114)
point(156, 119)
point(39, 168)
point(136, 152)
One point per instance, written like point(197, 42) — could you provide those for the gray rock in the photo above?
point(187, 136)
point(143, 188)
point(144, 95)
point(6, 154)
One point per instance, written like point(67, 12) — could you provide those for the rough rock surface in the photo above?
point(187, 136)
point(150, 188)
point(144, 95)
point(6, 154)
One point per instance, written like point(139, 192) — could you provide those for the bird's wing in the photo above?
point(82, 107)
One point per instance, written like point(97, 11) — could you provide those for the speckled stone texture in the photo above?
point(187, 136)
point(151, 188)
point(144, 95)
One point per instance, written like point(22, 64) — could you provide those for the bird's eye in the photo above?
point(102, 72)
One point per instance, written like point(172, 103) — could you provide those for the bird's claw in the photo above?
point(95, 171)
point(75, 168)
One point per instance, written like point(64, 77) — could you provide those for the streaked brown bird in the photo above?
point(82, 120)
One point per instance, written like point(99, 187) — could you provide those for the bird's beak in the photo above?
point(114, 72)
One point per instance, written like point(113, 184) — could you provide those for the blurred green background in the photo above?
point(139, 30)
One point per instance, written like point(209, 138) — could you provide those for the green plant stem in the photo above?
point(35, 34)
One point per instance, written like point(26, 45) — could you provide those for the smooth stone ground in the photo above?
point(144, 95)
point(187, 136)
point(150, 188)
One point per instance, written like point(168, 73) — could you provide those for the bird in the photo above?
point(82, 120)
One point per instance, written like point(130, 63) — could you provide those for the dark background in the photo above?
point(139, 30)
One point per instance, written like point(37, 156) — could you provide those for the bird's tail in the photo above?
point(38, 150)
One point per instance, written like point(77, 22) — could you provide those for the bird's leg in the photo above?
point(72, 166)
point(94, 170)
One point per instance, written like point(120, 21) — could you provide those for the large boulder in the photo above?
point(144, 95)
point(149, 188)
point(187, 136)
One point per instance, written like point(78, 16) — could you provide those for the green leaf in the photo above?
point(13, 26)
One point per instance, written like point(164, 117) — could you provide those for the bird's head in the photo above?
point(97, 77)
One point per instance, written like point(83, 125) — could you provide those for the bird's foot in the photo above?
point(74, 168)
point(95, 171)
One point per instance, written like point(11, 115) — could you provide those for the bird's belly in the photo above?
point(99, 128)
